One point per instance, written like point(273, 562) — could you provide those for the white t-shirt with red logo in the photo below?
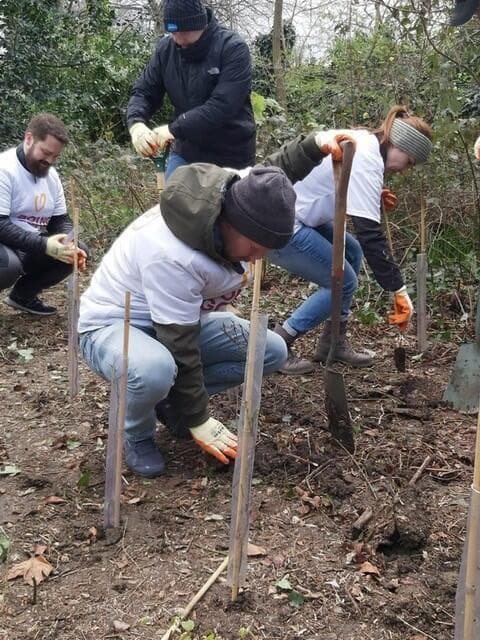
point(30, 202)
point(170, 282)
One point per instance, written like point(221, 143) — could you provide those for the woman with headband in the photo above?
point(402, 141)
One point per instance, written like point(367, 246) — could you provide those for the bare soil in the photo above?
point(394, 578)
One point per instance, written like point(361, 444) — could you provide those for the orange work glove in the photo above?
point(329, 144)
point(402, 309)
point(216, 439)
point(389, 199)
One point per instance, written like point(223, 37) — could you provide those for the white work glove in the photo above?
point(402, 309)
point(476, 148)
point(330, 144)
point(163, 136)
point(57, 249)
point(216, 439)
point(143, 139)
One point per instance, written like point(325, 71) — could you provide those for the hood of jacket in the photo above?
point(192, 202)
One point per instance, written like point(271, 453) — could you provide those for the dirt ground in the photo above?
point(318, 577)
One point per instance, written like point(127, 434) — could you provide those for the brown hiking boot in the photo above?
point(295, 365)
point(344, 351)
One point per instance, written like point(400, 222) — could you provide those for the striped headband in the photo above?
point(410, 140)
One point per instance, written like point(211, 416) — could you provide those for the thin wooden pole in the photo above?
point(196, 598)
point(118, 404)
point(240, 510)
point(73, 304)
point(422, 284)
point(472, 545)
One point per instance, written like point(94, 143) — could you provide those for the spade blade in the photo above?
point(339, 421)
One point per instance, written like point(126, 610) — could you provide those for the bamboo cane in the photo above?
point(472, 545)
point(196, 598)
point(422, 285)
point(239, 538)
point(73, 304)
point(118, 403)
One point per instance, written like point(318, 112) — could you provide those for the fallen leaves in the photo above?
point(34, 570)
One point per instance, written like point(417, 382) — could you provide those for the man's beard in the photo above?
point(38, 168)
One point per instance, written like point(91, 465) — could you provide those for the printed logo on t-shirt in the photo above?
point(40, 201)
point(37, 221)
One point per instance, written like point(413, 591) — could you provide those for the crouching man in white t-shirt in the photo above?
point(34, 251)
point(181, 261)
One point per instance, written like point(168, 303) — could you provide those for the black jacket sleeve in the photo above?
point(227, 99)
point(147, 93)
point(377, 254)
point(59, 224)
point(188, 395)
point(297, 158)
point(17, 238)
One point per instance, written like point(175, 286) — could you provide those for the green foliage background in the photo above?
point(79, 61)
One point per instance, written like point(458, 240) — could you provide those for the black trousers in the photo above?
point(30, 274)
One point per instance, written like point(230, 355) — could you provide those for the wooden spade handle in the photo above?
point(341, 174)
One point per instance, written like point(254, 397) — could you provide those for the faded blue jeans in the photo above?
point(309, 255)
point(152, 369)
point(174, 160)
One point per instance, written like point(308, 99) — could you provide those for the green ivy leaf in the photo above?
point(296, 599)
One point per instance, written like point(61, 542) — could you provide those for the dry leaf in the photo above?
point(36, 568)
point(119, 626)
point(54, 500)
point(369, 569)
point(254, 550)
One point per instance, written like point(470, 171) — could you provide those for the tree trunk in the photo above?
point(277, 53)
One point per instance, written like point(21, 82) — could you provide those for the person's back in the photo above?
point(205, 69)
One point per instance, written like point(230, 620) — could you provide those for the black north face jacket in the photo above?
point(209, 86)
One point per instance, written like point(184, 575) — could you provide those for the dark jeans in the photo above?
point(29, 273)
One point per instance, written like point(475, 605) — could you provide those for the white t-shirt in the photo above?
point(170, 282)
point(29, 201)
point(315, 204)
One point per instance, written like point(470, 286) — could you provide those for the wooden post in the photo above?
point(73, 304)
point(244, 463)
point(472, 546)
point(118, 404)
point(422, 284)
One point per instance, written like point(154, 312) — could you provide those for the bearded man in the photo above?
point(35, 251)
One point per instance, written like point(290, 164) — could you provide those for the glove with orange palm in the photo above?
point(330, 144)
point(214, 438)
point(389, 199)
point(402, 309)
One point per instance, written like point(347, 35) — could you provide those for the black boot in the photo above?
point(294, 366)
point(344, 351)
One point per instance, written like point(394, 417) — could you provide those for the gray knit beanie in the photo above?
point(410, 140)
point(261, 206)
point(184, 15)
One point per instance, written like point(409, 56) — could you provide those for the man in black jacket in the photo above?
point(206, 72)
point(34, 250)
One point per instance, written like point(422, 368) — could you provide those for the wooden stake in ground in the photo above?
point(116, 426)
point(422, 284)
point(467, 604)
point(242, 476)
point(73, 303)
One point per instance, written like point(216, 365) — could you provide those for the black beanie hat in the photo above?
point(463, 11)
point(184, 15)
point(261, 206)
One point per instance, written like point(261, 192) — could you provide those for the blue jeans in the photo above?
point(174, 160)
point(152, 369)
point(309, 255)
